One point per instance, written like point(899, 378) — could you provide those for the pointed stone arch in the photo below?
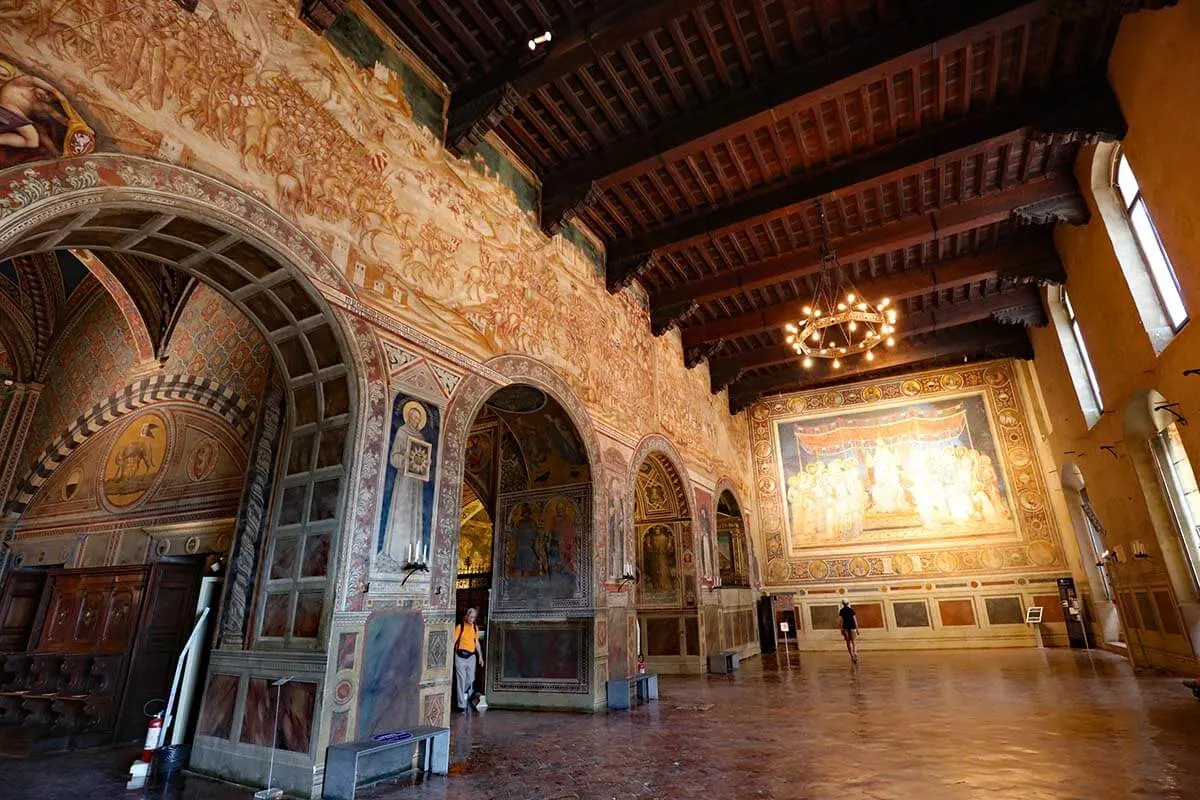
point(465, 404)
point(326, 468)
point(657, 443)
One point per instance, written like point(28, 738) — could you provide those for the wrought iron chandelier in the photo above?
point(839, 322)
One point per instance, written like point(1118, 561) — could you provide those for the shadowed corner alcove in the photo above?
point(284, 556)
point(525, 549)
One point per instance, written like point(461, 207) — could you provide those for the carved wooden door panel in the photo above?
point(124, 602)
point(62, 613)
point(19, 604)
point(93, 602)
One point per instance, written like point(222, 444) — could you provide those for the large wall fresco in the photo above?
point(916, 470)
point(244, 92)
point(932, 473)
point(544, 549)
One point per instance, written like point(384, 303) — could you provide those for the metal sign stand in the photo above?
point(787, 656)
point(270, 793)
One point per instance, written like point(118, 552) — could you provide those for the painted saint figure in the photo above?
point(658, 560)
point(410, 455)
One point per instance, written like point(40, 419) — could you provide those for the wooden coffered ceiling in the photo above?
point(695, 137)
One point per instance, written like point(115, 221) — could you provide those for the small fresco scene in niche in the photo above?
point(915, 470)
point(409, 483)
point(37, 121)
point(135, 460)
point(659, 566)
point(541, 547)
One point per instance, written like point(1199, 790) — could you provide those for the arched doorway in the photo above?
point(1090, 536)
point(735, 603)
point(296, 549)
point(522, 456)
point(733, 550)
point(671, 555)
point(1159, 599)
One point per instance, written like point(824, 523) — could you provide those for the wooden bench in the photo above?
point(343, 774)
point(628, 692)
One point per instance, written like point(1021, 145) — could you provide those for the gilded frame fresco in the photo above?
point(1032, 545)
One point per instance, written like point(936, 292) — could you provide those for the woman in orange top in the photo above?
point(466, 651)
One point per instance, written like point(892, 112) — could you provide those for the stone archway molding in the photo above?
point(657, 443)
point(221, 400)
point(465, 405)
point(35, 196)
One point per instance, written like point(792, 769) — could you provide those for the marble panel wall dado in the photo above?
point(244, 92)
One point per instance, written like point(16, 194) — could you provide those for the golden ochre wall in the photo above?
point(916, 583)
point(1155, 73)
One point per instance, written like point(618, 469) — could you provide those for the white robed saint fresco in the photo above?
point(411, 455)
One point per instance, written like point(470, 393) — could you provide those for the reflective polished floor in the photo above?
point(1020, 724)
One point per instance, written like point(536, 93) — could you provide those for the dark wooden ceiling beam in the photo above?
point(1024, 261)
point(939, 223)
point(896, 47)
point(473, 105)
point(316, 14)
point(1091, 108)
point(1022, 306)
point(984, 342)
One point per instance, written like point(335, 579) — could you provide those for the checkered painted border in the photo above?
point(152, 389)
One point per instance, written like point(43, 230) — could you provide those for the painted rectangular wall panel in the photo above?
point(956, 612)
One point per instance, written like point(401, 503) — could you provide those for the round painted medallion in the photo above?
point(135, 460)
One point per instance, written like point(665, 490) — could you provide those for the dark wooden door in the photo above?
point(168, 614)
point(19, 603)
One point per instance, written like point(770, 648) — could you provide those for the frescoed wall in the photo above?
point(440, 243)
point(444, 268)
point(926, 493)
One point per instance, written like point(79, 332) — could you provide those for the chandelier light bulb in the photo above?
point(870, 356)
point(853, 326)
point(808, 362)
point(841, 306)
point(790, 338)
point(884, 302)
point(790, 328)
point(891, 315)
point(850, 297)
point(891, 341)
point(816, 312)
point(862, 306)
point(807, 311)
point(836, 363)
point(816, 335)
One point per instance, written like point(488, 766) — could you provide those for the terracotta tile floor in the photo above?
point(1020, 724)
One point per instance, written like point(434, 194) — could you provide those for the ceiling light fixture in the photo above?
point(535, 41)
point(839, 321)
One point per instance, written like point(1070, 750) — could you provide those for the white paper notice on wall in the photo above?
point(784, 627)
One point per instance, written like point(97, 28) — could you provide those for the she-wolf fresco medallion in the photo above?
point(135, 460)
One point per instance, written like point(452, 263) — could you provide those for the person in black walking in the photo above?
point(849, 629)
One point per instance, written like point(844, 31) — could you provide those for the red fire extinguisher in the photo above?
point(153, 737)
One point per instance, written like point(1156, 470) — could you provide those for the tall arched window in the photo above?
point(1154, 255)
point(1183, 495)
